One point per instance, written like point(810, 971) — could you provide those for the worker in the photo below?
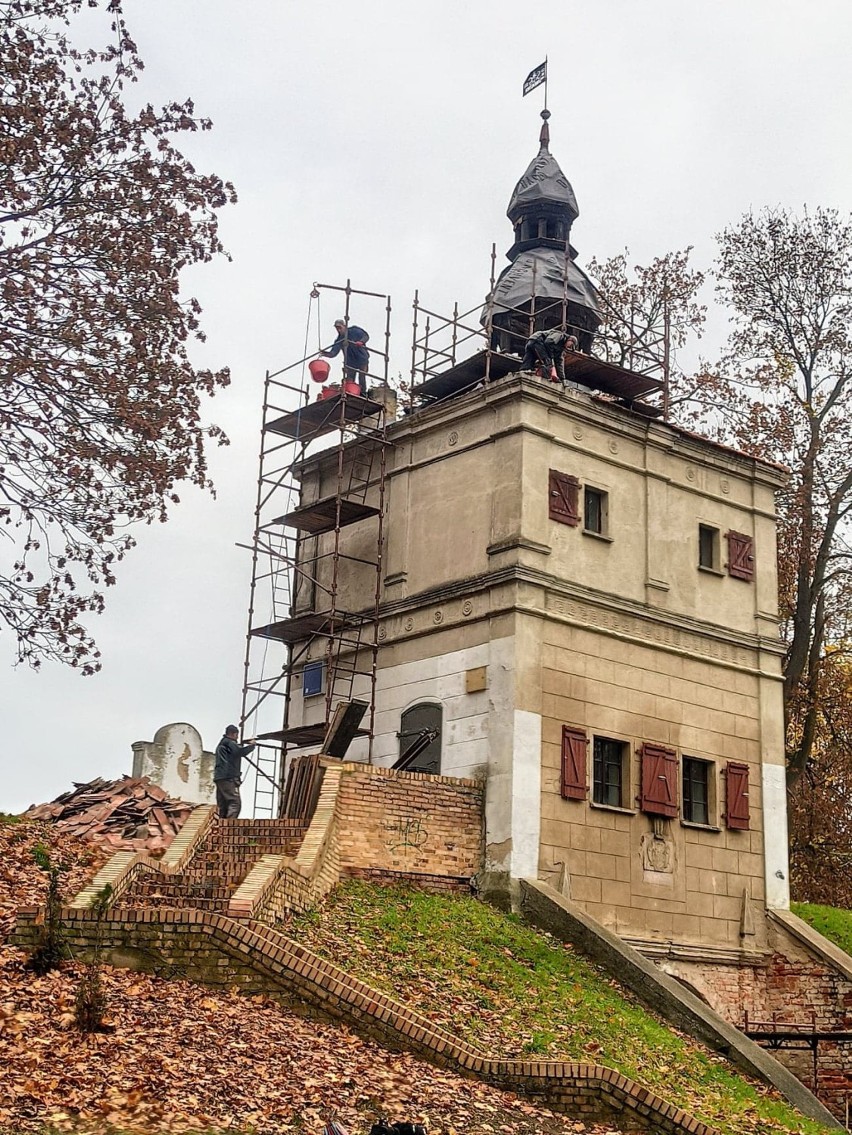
point(548, 348)
point(353, 342)
point(227, 773)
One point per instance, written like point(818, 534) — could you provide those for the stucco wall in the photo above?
point(637, 694)
point(619, 632)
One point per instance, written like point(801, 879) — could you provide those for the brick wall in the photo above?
point(372, 823)
point(211, 948)
point(793, 986)
point(409, 822)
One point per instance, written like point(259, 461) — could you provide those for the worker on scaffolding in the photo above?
point(547, 350)
point(356, 358)
point(227, 773)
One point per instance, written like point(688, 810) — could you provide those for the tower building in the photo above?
point(576, 603)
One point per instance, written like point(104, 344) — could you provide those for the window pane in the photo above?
point(706, 546)
point(312, 679)
point(696, 796)
point(608, 772)
point(593, 519)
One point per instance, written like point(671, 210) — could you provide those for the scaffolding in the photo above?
point(299, 615)
point(301, 558)
point(454, 353)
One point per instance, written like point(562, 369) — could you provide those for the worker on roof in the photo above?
point(547, 349)
point(227, 773)
point(356, 358)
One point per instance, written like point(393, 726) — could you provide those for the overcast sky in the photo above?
point(381, 141)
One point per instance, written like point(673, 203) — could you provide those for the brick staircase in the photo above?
point(221, 862)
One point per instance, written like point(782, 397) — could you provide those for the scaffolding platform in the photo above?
point(466, 374)
point(323, 515)
point(301, 627)
point(625, 385)
point(609, 378)
point(323, 417)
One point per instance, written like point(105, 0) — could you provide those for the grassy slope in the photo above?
point(831, 922)
point(513, 991)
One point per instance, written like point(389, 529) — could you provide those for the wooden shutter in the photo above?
point(737, 811)
point(574, 746)
point(659, 781)
point(564, 498)
point(740, 556)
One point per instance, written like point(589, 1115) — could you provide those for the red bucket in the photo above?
point(319, 369)
point(330, 391)
point(352, 388)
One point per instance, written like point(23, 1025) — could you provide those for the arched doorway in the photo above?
point(415, 721)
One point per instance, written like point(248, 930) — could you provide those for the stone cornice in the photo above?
point(593, 412)
point(473, 599)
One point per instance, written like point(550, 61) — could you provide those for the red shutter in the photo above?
point(659, 781)
point(737, 813)
point(564, 498)
point(574, 745)
point(740, 556)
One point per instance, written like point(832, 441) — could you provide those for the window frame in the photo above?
point(715, 566)
point(601, 533)
point(688, 820)
point(625, 772)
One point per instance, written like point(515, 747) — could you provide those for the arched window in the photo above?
point(416, 722)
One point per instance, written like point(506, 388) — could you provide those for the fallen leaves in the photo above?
point(185, 1059)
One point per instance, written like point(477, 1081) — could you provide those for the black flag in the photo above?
point(535, 78)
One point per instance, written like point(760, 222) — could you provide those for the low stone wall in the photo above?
point(216, 950)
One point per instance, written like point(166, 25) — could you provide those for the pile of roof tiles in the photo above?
point(131, 813)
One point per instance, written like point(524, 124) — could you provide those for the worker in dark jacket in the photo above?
point(227, 773)
point(548, 348)
point(356, 358)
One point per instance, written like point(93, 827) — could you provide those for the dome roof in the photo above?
point(543, 181)
point(548, 275)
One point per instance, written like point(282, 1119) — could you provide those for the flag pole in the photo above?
point(545, 82)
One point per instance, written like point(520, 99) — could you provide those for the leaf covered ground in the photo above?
point(515, 992)
point(830, 921)
point(180, 1058)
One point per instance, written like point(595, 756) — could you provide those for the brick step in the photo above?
point(177, 902)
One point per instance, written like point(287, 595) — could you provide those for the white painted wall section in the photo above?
point(775, 836)
point(176, 761)
point(526, 795)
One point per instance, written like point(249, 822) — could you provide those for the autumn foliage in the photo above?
point(100, 404)
point(173, 1056)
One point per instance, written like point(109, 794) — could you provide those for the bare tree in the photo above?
point(99, 402)
point(649, 317)
point(784, 393)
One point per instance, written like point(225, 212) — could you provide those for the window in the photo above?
point(708, 547)
point(420, 738)
point(595, 511)
point(312, 679)
point(696, 787)
point(609, 772)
